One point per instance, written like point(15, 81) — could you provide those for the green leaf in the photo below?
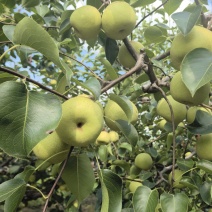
point(171, 5)
point(13, 201)
point(202, 123)
point(9, 31)
point(42, 10)
point(103, 153)
point(205, 165)
point(25, 117)
point(196, 69)
point(78, 176)
point(109, 68)
point(124, 103)
point(154, 34)
point(186, 20)
point(145, 199)
point(9, 187)
point(174, 203)
point(6, 77)
point(128, 130)
point(92, 84)
point(111, 50)
point(205, 193)
point(30, 3)
point(94, 3)
point(189, 183)
point(185, 164)
point(139, 3)
point(28, 170)
point(111, 191)
point(122, 163)
point(28, 32)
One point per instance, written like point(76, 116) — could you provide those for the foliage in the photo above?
point(38, 45)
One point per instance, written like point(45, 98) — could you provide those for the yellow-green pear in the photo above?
point(180, 92)
point(161, 124)
point(191, 113)
point(114, 112)
point(81, 121)
point(177, 177)
point(86, 22)
point(134, 185)
point(204, 147)
point(179, 110)
point(103, 138)
point(51, 148)
point(114, 136)
point(118, 20)
point(143, 161)
point(187, 154)
point(53, 82)
point(198, 37)
point(124, 56)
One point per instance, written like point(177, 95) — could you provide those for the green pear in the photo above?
point(204, 147)
point(198, 37)
point(179, 110)
point(51, 148)
point(86, 22)
point(118, 20)
point(103, 138)
point(134, 185)
point(143, 161)
point(191, 113)
point(124, 56)
point(114, 112)
point(180, 92)
point(114, 136)
point(81, 121)
point(177, 177)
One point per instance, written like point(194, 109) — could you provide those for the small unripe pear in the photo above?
point(114, 136)
point(143, 161)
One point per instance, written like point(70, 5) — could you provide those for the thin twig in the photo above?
point(151, 13)
point(162, 56)
point(32, 81)
point(57, 179)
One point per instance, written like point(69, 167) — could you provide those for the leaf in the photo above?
point(205, 193)
point(28, 170)
point(196, 69)
point(94, 3)
point(111, 50)
point(28, 32)
point(9, 187)
point(202, 123)
point(174, 203)
point(154, 34)
point(9, 31)
point(145, 199)
point(103, 153)
point(13, 201)
point(25, 117)
point(78, 176)
point(185, 164)
point(128, 130)
point(30, 3)
point(111, 191)
point(186, 20)
point(6, 77)
point(139, 3)
point(189, 183)
point(122, 163)
point(92, 84)
point(171, 5)
point(109, 68)
point(205, 165)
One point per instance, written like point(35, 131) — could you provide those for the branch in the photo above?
point(139, 65)
point(203, 18)
point(130, 49)
point(151, 13)
point(32, 81)
point(162, 56)
point(57, 179)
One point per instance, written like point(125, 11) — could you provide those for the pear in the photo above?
point(81, 122)
point(124, 56)
point(114, 136)
point(114, 112)
point(198, 37)
point(191, 113)
point(118, 20)
point(86, 22)
point(180, 92)
point(204, 147)
point(103, 138)
point(177, 177)
point(179, 110)
point(134, 185)
point(143, 161)
point(51, 149)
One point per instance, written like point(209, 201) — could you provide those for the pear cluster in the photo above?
point(80, 125)
point(117, 21)
point(107, 137)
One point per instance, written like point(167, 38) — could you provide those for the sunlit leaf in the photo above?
point(171, 5)
point(205, 165)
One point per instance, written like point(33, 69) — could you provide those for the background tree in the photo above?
point(154, 152)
